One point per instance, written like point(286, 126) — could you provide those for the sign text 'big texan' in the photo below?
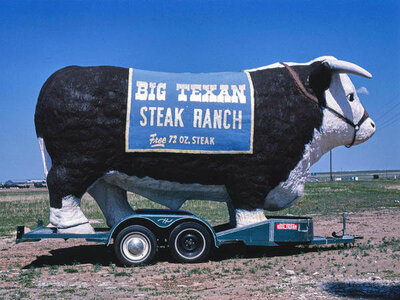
point(192, 113)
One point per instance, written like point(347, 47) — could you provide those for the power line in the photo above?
point(395, 117)
point(390, 119)
point(382, 107)
point(387, 112)
point(390, 123)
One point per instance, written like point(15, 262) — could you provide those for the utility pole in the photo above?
point(330, 165)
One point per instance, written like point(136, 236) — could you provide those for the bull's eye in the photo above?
point(350, 97)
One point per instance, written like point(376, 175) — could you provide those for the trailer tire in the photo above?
point(190, 243)
point(135, 245)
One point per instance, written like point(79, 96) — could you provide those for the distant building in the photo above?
point(29, 183)
point(357, 175)
point(33, 181)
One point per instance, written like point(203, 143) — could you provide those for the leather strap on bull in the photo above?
point(306, 94)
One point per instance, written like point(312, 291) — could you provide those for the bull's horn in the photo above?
point(341, 66)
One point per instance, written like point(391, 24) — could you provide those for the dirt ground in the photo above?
point(76, 269)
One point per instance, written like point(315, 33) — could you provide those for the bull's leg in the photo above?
point(249, 211)
point(232, 213)
point(66, 189)
point(112, 201)
point(246, 217)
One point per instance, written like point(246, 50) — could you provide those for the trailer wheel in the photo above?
point(190, 242)
point(135, 245)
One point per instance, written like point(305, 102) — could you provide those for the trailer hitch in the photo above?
point(343, 233)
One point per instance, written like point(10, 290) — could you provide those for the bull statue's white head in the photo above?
point(341, 96)
point(345, 122)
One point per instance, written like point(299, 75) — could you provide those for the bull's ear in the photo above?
point(320, 78)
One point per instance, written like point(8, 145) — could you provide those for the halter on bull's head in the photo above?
point(345, 122)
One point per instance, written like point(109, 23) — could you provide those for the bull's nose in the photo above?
point(372, 124)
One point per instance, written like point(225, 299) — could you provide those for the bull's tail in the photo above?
point(42, 119)
point(45, 156)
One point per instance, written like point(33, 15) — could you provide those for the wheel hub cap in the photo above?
point(135, 246)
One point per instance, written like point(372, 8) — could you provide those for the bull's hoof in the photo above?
point(85, 228)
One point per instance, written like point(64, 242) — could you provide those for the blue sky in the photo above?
point(39, 37)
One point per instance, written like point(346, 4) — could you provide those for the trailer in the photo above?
point(190, 239)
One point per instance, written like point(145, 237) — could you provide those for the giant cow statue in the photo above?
point(301, 111)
